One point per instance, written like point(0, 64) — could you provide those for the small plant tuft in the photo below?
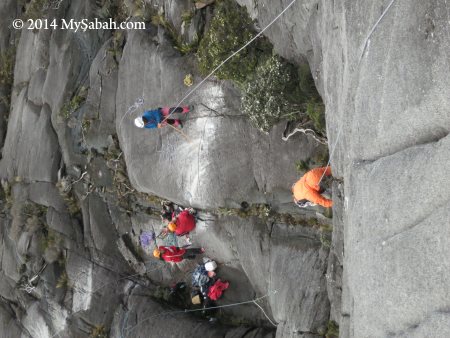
point(50, 239)
point(64, 186)
point(7, 193)
point(63, 281)
point(177, 40)
point(259, 210)
point(36, 9)
point(302, 166)
point(99, 331)
point(332, 330)
point(7, 60)
point(186, 17)
point(74, 104)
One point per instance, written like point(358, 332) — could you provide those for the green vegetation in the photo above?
point(273, 89)
point(6, 194)
point(98, 331)
point(74, 104)
point(325, 235)
point(332, 330)
point(120, 10)
point(36, 9)
point(302, 166)
point(177, 40)
point(265, 212)
point(318, 160)
point(315, 110)
point(230, 29)
point(186, 17)
point(50, 239)
point(258, 210)
point(272, 93)
point(117, 44)
point(7, 60)
point(63, 281)
point(85, 126)
point(31, 209)
point(116, 9)
point(64, 186)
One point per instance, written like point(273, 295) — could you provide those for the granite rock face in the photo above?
point(80, 184)
point(384, 84)
point(78, 178)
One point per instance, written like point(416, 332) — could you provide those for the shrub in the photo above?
point(36, 9)
point(7, 60)
point(316, 113)
point(230, 29)
point(272, 94)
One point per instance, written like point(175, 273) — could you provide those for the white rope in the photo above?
point(332, 152)
point(139, 102)
point(231, 56)
point(375, 26)
point(265, 314)
point(203, 309)
point(364, 48)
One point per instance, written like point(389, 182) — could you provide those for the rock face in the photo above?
point(191, 169)
point(386, 101)
point(79, 184)
point(78, 179)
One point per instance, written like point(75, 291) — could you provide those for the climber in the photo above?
point(176, 254)
point(203, 278)
point(160, 117)
point(169, 210)
point(183, 223)
point(308, 188)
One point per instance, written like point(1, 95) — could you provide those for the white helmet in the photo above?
point(210, 266)
point(139, 122)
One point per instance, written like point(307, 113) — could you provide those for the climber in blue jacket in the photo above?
point(157, 118)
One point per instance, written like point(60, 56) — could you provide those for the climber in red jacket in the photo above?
point(175, 254)
point(183, 223)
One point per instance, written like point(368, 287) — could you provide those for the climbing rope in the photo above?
point(128, 330)
point(362, 54)
point(230, 57)
point(374, 27)
point(139, 102)
point(265, 314)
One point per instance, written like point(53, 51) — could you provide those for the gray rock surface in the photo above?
point(386, 101)
point(70, 258)
point(192, 171)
